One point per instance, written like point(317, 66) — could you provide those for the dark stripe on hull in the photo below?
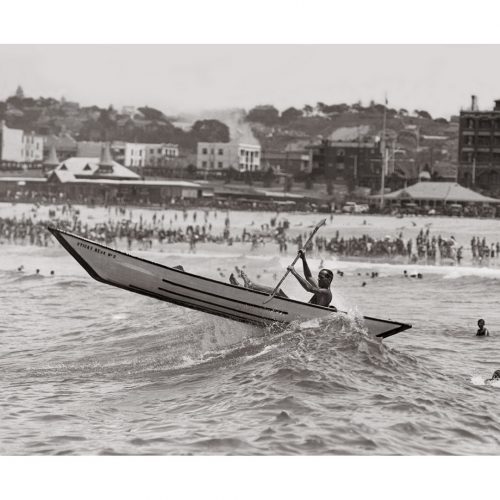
point(223, 297)
point(212, 303)
point(190, 305)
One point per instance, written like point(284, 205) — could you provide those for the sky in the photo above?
point(190, 78)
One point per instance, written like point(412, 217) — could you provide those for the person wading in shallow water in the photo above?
point(322, 295)
point(482, 330)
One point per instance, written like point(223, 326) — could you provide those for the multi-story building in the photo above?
point(349, 163)
point(149, 155)
point(133, 154)
point(218, 156)
point(18, 148)
point(158, 155)
point(288, 162)
point(479, 147)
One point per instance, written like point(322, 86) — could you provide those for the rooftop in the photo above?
point(89, 167)
point(442, 191)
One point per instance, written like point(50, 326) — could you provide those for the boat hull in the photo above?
point(172, 285)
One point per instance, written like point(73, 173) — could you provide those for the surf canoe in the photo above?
point(210, 296)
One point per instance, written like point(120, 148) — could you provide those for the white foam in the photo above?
point(477, 380)
point(447, 272)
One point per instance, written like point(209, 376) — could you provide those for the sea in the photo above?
point(88, 369)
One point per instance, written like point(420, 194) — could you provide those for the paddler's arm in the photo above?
point(306, 285)
point(307, 271)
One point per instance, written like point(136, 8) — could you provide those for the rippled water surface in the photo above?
point(89, 369)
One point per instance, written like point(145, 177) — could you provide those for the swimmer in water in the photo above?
point(482, 330)
point(495, 376)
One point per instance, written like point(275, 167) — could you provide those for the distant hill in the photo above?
point(417, 135)
point(49, 116)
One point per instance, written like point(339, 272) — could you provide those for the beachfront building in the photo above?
point(442, 197)
point(479, 147)
point(287, 162)
point(99, 180)
point(19, 149)
point(101, 167)
point(221, 156)
point(348, 163)
point(62, 188)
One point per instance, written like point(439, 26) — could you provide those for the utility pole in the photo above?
point(474, 170)
point(356, 169)
point(384, 157)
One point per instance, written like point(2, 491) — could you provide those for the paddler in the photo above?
point(322, 295)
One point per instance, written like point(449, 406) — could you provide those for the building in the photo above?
point(19, 149)
point(158, 155)
point(98, 180)
point(441, 195)
point(348, 163)
point(220, 156)
point(96, 167)
point(65, 146)
point(289, 162)
point(132, 154)
point(479, 147)
point(98, 190)
point(149, 155)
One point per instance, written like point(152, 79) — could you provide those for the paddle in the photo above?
point(315, 230)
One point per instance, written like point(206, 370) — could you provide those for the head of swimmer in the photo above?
point(480, 323)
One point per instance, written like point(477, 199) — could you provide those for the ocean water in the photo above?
point(90, 369)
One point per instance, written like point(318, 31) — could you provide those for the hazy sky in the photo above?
point(438, 78)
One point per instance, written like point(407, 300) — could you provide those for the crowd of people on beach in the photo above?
point(425, 248)
point(124, 227)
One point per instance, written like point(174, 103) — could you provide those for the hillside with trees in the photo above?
point(46, 116)
point(275, 130)
point(416, 135)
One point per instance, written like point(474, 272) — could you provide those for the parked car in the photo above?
point(352, 207)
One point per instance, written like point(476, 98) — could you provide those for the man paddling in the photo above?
point(321, 289)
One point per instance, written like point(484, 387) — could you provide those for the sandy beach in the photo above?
point(377, 226)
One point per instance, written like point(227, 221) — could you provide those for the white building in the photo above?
point(132, 154)
point(149, 155)
point(17, 146)
point(157, 154)
point(224, 155)
point(135, 155)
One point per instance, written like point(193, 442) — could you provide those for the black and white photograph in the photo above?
point(249, 250)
